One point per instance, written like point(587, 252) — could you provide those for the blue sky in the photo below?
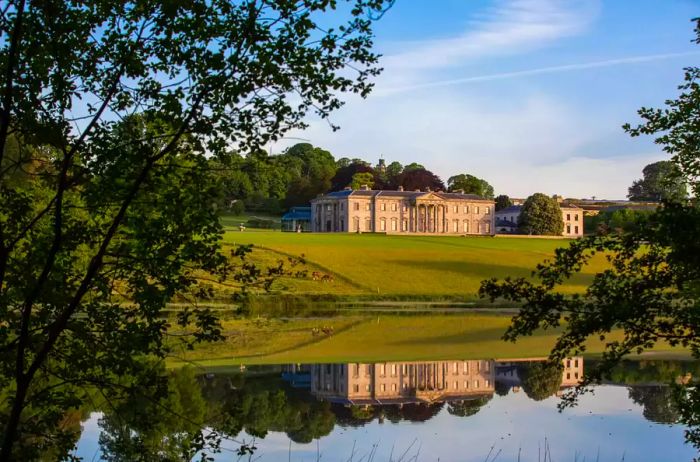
point(528, 94)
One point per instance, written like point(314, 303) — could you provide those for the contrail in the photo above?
point(538, 71)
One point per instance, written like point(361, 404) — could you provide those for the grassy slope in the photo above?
point(406, 265)
point(373, 338)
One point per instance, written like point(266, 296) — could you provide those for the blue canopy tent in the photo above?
point(298, 219)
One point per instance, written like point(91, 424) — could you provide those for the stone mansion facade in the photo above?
point(402, 212)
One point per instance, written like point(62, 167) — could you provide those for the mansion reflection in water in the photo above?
point(417, 382)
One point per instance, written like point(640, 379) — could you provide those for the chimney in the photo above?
point(347, 188)
point(400, 188)
point(364, 187)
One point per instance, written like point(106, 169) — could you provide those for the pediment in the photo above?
point(429, 196)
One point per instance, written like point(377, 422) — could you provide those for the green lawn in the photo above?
point(371, 339)
point(405, 265)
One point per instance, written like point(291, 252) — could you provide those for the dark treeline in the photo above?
point(272, 183)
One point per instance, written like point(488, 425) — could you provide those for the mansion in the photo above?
point(402, 212)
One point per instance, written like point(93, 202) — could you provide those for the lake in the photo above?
point(451, 410)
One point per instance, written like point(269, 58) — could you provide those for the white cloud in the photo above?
point(509, 27)
point(383, 91)
point(526, 145)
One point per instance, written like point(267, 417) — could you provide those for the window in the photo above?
point(455, 368)
point(455, 226)
point(466, 209)
point(394, 207)
point(393, 369)
point(476, 384)
point(368, 224)
point(356, 224)
point(487, 366)
point(405, 386)
point(568, 363)
point(368, 370)
point(383, 206)
point(367, 387)
point(576, 375)
point(487, 228)
point(356, 205)
point(487, 210)
point(568, 217)
point(393, 387)
point(383, 387)
point(355, 370)
point(466, 226)
point(455, 385)
point(382, 224)
point(575, 362)
point(404, 225)
point(568, 229)
point(342, 224)
point(466, 367)
point(405, 209)
point(342, 206)
point(476, 209)
point(367, 206)
point(576, 217)
point(487, 383)
point(466, 384)
point(575, 229)
point(356, 388)
point(455, 209)
point(382, 370)
point(568, 376)
point(394, 224)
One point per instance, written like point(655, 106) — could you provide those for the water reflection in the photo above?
point(388, 383)
point(302, 403)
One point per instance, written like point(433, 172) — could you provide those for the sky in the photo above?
point(527, 94)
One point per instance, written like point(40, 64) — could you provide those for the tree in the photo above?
point(420, 179)
point(118, 103)
point(651, 288)
point(503, 202)
point(470, 185)
point(662, 181)
point(540, 379)
point(412, 166)
point(541, 215)
point(393, 170)
point(468, 407)
point(311, 170)
point(362, 179)
point(344, 175)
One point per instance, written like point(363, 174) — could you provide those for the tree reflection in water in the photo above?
point(199, 411)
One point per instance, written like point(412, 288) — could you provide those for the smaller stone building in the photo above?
point(507, 220)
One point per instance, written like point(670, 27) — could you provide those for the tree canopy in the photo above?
point(661, 181)
point(118, 106)
point(541, 215)
point(503, 202)
point(420, 179)
point(651, 288)
point(470, 185)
